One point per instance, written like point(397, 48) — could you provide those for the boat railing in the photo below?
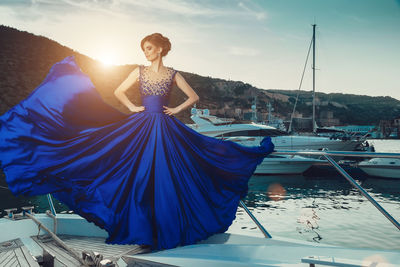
point(51, 204)
point(329, 157)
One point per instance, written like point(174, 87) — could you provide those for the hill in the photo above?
point(348, 108)
point(25, 60)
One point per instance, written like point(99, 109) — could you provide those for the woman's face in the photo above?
point(151, 51)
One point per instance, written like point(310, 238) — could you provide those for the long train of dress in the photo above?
point(146, 178)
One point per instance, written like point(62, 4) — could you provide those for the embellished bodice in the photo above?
point(155, 88)
point(153, 83)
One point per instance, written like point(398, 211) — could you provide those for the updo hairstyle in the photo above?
point(158, 40)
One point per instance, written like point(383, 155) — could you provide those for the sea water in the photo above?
point(325, 209)
point(321, 209)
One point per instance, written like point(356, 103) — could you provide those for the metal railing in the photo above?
point(259, 225)
point(52, 209)
point(328, 155)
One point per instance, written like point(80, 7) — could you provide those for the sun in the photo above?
point(108, 58)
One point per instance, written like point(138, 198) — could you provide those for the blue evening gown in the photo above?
point(146, 178)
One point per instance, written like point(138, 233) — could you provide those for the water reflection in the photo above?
point(325, 209)
point(308, 222)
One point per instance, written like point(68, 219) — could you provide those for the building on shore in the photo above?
point(326, 119)
point(369, 130)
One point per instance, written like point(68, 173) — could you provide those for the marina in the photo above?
point(251, 134)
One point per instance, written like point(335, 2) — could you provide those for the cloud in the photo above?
point(243, 51)
point(179, 7)
point(152, 9)
point(259, 15)
point(14, 2)
point(26, 11)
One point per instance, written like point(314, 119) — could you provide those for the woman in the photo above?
point(146, 178)
point(155, 47)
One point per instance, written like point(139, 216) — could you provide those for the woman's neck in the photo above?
point(157, 65)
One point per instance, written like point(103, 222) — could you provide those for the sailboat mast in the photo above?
point(313, 67)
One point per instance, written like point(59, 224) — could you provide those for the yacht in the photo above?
point(284, 164)
point(280, 164)
point(251, 134)
point(381, 167)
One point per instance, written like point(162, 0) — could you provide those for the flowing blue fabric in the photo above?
point(146, 178)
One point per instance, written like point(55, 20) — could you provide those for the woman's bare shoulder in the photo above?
point(178, 76)
point(137, 68)
point(135, 73)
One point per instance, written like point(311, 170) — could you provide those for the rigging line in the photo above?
point(298, 90)
point(4, 187)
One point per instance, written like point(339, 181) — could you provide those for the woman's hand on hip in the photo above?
point(171, 111)
point(137, 109)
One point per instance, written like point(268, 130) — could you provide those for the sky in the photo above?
point(260, 42)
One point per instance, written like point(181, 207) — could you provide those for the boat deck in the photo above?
point(13, 253)
point(22, 246)
point(121, 254)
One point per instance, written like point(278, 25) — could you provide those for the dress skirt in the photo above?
point(146, 178)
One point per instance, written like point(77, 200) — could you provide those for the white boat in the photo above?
point(381, 167)
point(284, 164)
point(251, 134)
point(216, 127)
point(280, 164)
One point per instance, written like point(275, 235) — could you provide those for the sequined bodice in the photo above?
point(153, 83)
point(155, 88)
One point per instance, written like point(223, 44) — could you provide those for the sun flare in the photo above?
point(108, 58)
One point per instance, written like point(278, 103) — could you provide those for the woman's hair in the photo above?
point(159, 40)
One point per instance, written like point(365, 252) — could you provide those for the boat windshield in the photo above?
point(256, 132)
point(221, 121)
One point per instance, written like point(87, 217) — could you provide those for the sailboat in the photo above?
point(314, 125)
point(252, 133)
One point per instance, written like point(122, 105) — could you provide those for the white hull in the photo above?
point(285, 165)
point(312, 143)
point(380, 172)
point(381, 167)
point(298, 142)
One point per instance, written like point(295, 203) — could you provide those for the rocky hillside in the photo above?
point(347, 108)
point(25, 60)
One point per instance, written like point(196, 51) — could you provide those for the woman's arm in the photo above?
point(185, 87)
point(124, 86)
